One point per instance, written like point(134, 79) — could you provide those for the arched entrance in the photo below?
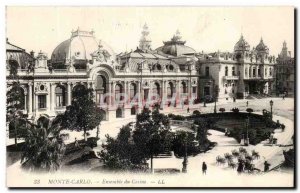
point(119, 112)
point(103, 114)
point(133, 110)
point(101, 88)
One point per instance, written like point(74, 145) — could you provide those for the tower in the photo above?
point(145, 42)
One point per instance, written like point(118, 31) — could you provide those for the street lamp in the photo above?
point(185, 160)
point(271, 105)
point(246, 141)
point(216, 94)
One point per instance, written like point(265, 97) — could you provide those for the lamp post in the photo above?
point(185, 160)
point(271, 105)
point(246, 141)
point(216, 94)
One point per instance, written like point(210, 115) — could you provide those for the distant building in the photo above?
point(285, 72)
point(243, 73)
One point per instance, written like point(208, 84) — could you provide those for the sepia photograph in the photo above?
point(150, 97)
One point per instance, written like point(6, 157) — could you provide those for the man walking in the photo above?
point(188, 110)
point(204, 168)
point(267, 166)
point(247, 103)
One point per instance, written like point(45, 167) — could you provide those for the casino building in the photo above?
point(172, 75)
point(122, 83)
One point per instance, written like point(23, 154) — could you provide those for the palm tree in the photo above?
point(43, 148)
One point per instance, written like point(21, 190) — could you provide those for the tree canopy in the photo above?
point(83, 113)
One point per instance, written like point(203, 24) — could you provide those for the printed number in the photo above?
point(36, 181)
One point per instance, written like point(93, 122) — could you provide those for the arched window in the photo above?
point(170, 90)
point(118, 92)
point(60, 96)
point(270, 71)
point(132, 90)
point(156, 89)
point(226, 71)
point(183, 87)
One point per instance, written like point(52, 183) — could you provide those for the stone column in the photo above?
point(257, 75)
point(69, 90)
point(125, 91)
point(30, 97)
point(36, 101)
point(48, 98)
point(52, 92)
point(25, 101)
point(178, 93)
point(109, 93)
point(139, 91)
point(113, 92)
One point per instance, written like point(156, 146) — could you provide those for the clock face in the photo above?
point(77, 54)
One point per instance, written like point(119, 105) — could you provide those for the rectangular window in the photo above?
point(42, 101)
point(254, 72)
point(59, 100)
point(206, 71)
point(233, 71)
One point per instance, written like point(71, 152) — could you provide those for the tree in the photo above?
point(222, 110)
point(152, 134)
point(43, 148)
point(83, 113)
point(15, 101)
point(120, 153)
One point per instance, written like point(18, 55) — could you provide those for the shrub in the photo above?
point(196, 112)
point(176, 117)
point(222, 110)
point(249, 110)
point(235, 110)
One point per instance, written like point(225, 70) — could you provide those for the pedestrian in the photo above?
point(283, 96)
point(247, 103)
point(240, 167)
point(204, 168)
point(76, 144)
point(267, 166)
point(188, 110)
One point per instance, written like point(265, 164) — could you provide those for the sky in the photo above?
point(207, 29)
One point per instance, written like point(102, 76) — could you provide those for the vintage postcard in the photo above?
point(150, 97)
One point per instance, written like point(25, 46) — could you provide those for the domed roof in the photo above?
point(15, 53)
point(176, 47)
point(80, 46)
point(241, 45)
point(261, 47)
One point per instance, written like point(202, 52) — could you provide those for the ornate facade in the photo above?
point(123, 84)
point(239, 74)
